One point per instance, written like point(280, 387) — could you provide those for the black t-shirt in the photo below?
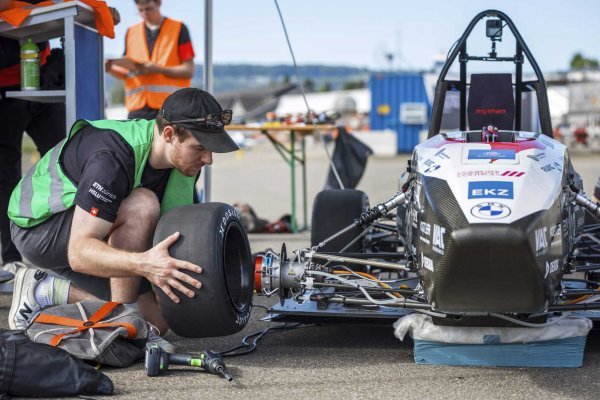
point(102, 166)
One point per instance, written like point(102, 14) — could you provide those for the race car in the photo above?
point(488, 219)
point(485, 223)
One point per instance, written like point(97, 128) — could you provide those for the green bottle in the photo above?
point(30, 66)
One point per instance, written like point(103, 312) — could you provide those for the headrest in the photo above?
point(491, 101)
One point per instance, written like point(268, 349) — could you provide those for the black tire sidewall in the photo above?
point(211, 312)
point(333, 210)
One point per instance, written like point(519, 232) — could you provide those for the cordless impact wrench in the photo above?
point(158, 360)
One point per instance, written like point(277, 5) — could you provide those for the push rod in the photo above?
point(343, 300)
point(575, 307)
point(371, 290)
point(352, 260)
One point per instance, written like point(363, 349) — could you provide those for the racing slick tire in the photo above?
point(212, 236)
point(334, 210)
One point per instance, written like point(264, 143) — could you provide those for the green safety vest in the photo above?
point(45, 190)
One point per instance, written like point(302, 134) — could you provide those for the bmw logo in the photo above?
point(490, 210)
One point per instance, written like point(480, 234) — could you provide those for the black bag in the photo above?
point(251, 222)
point(30, 369)
point(52, 74)
point(350, 159)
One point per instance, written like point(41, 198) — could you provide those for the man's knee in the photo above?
point(141, 205)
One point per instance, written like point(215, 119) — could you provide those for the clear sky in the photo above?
point(359, 32)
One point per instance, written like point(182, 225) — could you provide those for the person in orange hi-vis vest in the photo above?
point(162, 61)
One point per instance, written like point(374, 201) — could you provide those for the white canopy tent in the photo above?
point(359, 99)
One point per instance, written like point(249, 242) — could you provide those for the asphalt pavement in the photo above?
point(336, 361)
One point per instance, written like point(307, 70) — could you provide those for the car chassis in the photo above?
point(386, 278)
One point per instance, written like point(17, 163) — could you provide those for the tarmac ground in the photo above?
point(336, 361)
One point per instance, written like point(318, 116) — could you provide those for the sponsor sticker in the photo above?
point(425, 228)
point(541, 240)
point(426, 262)
point(490, 111)
point(551, 267)
point(432, 169)
point(555, 233)
point(431, 166)
point(557, 165)
point(490, 210)
point(491, 190)
point(461, 174)
point(537, 157)
point(547, 168)
point(515, 174)
point(481, 172)
point(484, 154)
point(441, 154)
point(438, 239)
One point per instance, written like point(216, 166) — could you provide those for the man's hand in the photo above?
point(108, 66)
point(149, 68)
point(89, 254)
point(184, 70)
point(164, 271)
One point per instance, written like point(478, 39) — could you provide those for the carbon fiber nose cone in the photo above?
point(489, 268)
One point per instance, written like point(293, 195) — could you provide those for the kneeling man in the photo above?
point(88, 209)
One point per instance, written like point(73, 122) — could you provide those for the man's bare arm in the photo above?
point(184, 70)
point(89, 254)
point(112, 69)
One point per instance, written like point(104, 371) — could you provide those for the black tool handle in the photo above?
point(180, 359)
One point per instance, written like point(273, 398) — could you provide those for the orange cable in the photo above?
point(365, 275)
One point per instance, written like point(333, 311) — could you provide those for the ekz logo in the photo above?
point(490, 189)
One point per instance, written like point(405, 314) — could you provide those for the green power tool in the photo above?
point(157, 360)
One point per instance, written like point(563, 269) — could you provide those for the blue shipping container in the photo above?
point(399, 102)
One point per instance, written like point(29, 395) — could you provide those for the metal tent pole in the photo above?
point(207, 77)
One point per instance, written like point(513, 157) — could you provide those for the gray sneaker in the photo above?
point(24, 305)
point(155, 338)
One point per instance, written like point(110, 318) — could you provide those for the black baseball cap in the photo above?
point(200, 113)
